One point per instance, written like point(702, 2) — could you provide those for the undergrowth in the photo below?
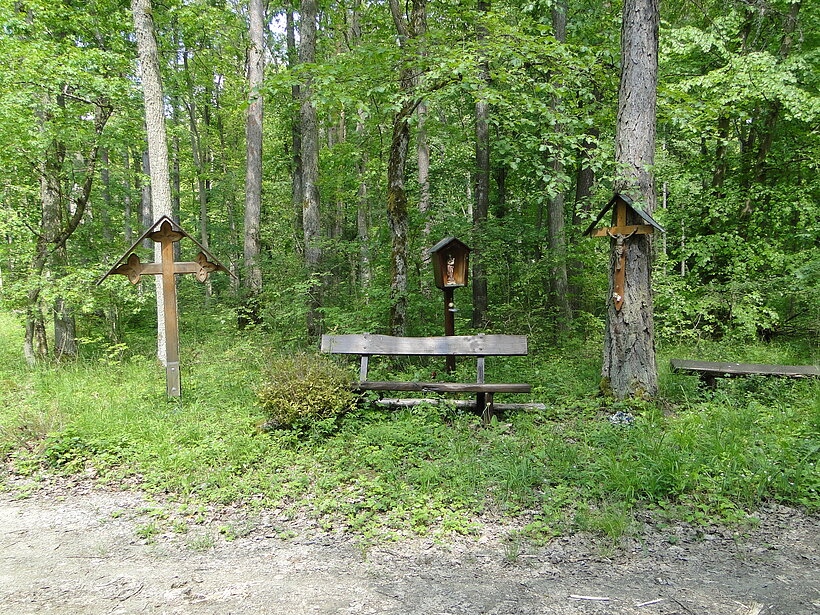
point(584, 463)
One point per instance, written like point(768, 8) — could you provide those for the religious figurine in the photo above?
point(619, 238)
point(451, 269)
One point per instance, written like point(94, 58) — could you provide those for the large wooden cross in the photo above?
point(620, 234)
point(166, 232)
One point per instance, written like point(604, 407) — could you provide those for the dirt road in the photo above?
point(89, 551)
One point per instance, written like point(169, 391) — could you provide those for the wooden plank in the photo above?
point(640, 229)
point(718, 369)
point(444, 387)
point(465, 345)
point(409, 402)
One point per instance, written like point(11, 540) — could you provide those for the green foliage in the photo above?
point(702, 456)
point(304, 390)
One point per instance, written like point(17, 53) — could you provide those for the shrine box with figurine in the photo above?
point(450, 263)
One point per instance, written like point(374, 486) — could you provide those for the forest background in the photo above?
point(736, 163)
point(506, 116)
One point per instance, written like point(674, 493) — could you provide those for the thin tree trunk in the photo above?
point(397, 212)
point(295, 130)
point(310, 169)
point(555, 209)
point(105, 213)
point(629, 366)
point(157, 140)
point(252, 280)
point(363, 209)
point(482, 180)
point(127, 227)
point(145, 198)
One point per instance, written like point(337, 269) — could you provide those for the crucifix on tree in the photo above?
point(620, 233)
point(166, 232)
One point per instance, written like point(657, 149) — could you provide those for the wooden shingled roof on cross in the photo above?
point(155, 228)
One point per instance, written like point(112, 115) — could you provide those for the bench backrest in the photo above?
point(462, 345)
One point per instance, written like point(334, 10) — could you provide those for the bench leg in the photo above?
point(484, 402)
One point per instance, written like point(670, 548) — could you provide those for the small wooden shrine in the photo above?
point(450, 263)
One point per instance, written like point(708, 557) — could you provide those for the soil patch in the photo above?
point(87, 550)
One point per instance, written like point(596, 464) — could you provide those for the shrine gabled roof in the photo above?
point(630, 203)
point(155, 227)
point(446, 242)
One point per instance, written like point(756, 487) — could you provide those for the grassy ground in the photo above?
point(698, 455)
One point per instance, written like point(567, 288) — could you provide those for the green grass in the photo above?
point(703, 456)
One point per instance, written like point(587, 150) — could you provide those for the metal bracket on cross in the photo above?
point(166, 232)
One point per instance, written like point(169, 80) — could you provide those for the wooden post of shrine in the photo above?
point(166, 232)
point(620, 233)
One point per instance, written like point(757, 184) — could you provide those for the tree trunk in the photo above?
point(310, 169)
point(252, 280)
point(127, 228)
point(295, 130)
point(157, 140)
point(363, 209)
point(555, 208)
point(145, 198)
point(397, 212)
point(105, 212)
point(629, 366)
point(482, 180)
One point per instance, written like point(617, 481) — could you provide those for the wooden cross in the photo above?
point(620, 234)
point(166, 232)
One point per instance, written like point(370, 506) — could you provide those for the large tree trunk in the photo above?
point(482, 182)
point(157, 140)
point(629, 366)
point(310, 169)
point(252, 280)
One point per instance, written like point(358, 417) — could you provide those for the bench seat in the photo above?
point(444, 387)
point(710, 370)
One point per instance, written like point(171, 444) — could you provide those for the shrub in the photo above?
point(303, 390)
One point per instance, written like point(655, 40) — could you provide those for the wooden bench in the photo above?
point(479, 346)
point(709, 371)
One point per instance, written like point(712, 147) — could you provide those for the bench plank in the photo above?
point(444, 387)
point(718, 369)
point(464, 345)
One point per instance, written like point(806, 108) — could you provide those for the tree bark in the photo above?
point(310, 169)
point(629, 366)
point(295, 129)
point(157, 140)
point(397, 212)
point(482, 180)
point(363, 209)
point(555, 208)
point(252, 280)
point(127, 228)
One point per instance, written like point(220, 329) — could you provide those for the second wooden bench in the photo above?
point(710, 370)
point(479, 346)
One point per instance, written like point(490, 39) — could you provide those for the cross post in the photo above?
point(166, 232)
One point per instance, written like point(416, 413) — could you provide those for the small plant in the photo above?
point(148, 531)
point(201, 543)
point(304, 390)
